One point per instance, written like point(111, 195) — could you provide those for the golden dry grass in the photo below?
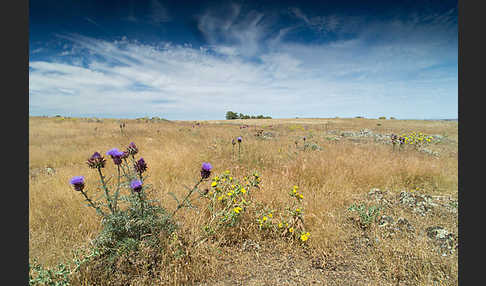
point(331, 180)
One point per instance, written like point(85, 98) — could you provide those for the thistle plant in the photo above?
point(394, 140)
point(129, 216)
point(239, 139)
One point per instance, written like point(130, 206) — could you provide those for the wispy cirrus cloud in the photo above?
point(249, 66)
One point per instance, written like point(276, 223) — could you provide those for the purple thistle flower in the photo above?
point(140, 166)
point(78, 183)
point(132, 149)
point(96, 161)
point(116, 155)
point(206, 170)
point(136, 185)
point(113, 152)
point(239, 139)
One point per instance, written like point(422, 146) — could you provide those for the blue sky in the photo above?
point(195, 60)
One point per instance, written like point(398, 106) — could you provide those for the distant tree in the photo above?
point(231, 115)
point(382, 117)
point(241, 116)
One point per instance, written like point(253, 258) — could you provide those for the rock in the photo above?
point(404, 225)
point(385, 220)
point(419, 203)
point(430, 152)
point(442, 238)
point(50, 171)
point(347, 134)
point(376, 194)
point(365, 133)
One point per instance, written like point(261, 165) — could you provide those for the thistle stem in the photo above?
point(92, 204)
point(115, 202)
point(187, 197)
point(105, 188)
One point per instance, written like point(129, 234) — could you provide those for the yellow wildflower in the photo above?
point(291, 230)
point(214, 184)
point(264, 218)
point(230, 194)
point(220, 198)
point(237, 210)
point(280, 225)
point(301, 196)
point(243, 190)
point(270, 215)
point(304, 237)
point(297, 210)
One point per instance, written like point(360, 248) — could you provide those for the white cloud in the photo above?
point(399, 77)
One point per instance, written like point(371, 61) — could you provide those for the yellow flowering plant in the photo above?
point(416, 139)
point(293, 225)
point(228, 200)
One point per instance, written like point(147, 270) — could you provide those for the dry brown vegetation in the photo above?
point(339, 251)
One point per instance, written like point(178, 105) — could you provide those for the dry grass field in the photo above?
point(340, 166)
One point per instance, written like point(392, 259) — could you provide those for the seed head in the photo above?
point(96, 161)
point(132, 149)
point(141, 166)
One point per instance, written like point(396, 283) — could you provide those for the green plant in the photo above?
point(129, 217)
point(39, 275)
point(367, 214)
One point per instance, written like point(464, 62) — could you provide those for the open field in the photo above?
point(412, 241)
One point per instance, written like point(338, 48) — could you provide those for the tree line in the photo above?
point(235, 115)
